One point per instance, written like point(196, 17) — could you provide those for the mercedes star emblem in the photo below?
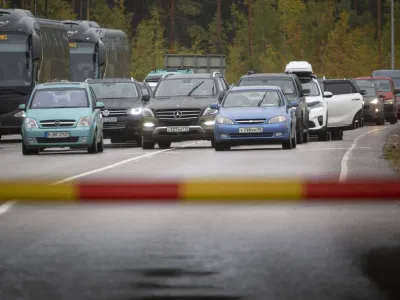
point(106, 113)
point(177, 114)
point(57, 123)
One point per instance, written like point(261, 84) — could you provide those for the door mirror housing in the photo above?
point(363, 92)
point(214, 106)
point(100, 105)
point(221, 96)
point(328, 94)
point(22, 107)
point(146, 98)
point(381, 96)
point(294, 104)
point(306, 92)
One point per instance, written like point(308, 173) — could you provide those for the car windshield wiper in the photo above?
point(195, 88)
point(262, 100)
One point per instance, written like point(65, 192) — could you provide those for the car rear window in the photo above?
point(339, 88)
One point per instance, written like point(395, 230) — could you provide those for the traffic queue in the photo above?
point(262, 109)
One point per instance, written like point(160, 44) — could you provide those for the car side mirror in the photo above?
point(221, 96)
point(306, 92)
point(214, 106)
point(100, 105)
point(381, 96)
point(22, 107)
point(363, 92)
point(294, 104)
point(146, 98)
point(328, 94)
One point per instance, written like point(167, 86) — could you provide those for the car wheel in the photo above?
point(306, 136)
point(222, 146)
point(212, 143)
point(299, 132)
point(393, 120)
point(100, 145)
point(93, 147)
point(138, 142)
point(324, 136)
point(337, 135)
point(27, 151)
point(147, 144)
point(164, 144)
point(294, 141)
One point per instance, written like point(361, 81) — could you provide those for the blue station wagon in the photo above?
point(62, 114)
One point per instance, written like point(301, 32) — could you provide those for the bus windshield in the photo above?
point(15, 66)
point(82, 62)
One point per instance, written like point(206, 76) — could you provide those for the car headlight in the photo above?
point(84, 122)
point(30, 123)
point(147, 113)
point(277, 119)
point(135, 111)
point(388, 101)
point(20, 114)
point(223, 120)
point(375, 101)
point(209, 112)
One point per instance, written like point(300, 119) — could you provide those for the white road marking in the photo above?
point(6, 206)
point(346, 156)
point(318, 149)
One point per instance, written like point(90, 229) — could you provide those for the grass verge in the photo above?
point(391, 150)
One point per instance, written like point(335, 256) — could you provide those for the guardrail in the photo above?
point(201, 191)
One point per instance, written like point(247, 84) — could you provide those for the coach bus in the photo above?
point(32, 51)
point(97, 52)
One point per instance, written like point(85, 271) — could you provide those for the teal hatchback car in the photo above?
point(62, 114)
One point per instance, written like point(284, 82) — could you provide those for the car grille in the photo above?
point(71, 139)
point(114, 125)
point(177, 114)
point(60, 123)
point(114, 112)
point(250, 121)
point(245, 135)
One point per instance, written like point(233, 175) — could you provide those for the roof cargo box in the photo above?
point(300, 68)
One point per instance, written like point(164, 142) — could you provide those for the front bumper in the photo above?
point(202, 129)
point(372, 111)
point(317, 119)
point(78, 138)
point(124, 127)
point(272, 134)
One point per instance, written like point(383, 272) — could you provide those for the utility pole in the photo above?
point(219, 25)
point(46, 6)
point(250, 28)
point(80, 9)
point(392, 21)
point(34, 8)
point(172, 26)
point(378, 34)
point(88, 10)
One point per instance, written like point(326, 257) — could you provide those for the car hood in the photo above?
point(58, 113)
point(251, 112)
point(388, 95)
point(118, 103)
point(182, 102)
point(310, 99)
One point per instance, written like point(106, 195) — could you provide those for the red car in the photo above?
point(386, 90)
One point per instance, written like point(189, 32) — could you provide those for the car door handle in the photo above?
point(355, 99)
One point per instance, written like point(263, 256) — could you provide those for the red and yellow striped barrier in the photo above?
point(201, 191)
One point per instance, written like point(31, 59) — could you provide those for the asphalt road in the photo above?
point(277, 252)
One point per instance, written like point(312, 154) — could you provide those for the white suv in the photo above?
point(316, 99)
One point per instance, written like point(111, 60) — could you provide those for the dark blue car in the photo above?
point(255, 115)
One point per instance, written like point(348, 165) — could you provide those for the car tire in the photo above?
point(164, 144)
point(100, 145)
point(306, 136)
point(294, 141)
point(212, 143)
point(93, 147)
point(138, 142)
point(222, 146)
point(393, 120)
point(27, 151)
point(324, 136)
point(337, 135)
point(288, 144)
point(299, 132)
point(147, 145)
point(360, 120)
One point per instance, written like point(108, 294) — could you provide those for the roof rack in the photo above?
point(88, 79)
point(215, 74)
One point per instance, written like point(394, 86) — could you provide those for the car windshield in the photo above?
point(370, 90)
point(312, 86)
point(185, 87)
point(144, 89)
point(286, 84)
point(253, 98)
point(381, 85)
point(114, 90)
point(59, 98)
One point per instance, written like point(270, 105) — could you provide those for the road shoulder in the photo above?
point(391, 150)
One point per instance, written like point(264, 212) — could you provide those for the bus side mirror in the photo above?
point(102, 54)
point(36, 47)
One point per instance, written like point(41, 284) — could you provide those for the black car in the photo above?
point(291, 86)
point(124, 103)
point(373, 106)
point(180, 109)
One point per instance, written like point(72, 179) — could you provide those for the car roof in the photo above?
point(374, 77)
point(270, 75)
point(188, 76)
point(111, 80)
point(256, 87)
point(337, 81)
point(60, 85)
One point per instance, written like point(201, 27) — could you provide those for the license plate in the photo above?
point(57, 135)
point(178, 129)
point(109, 120)
point(251, 130)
